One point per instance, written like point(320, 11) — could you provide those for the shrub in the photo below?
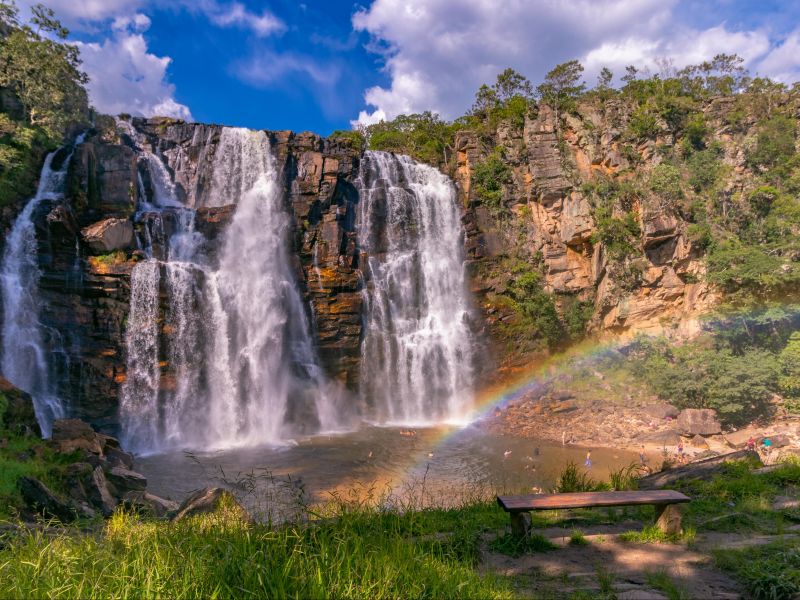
point(643, 124)
point(775, 142)
point(665, 180)
point(704, 168)
point(489, 177)
point(351, 137)
point(704, 375)
point(572, 479)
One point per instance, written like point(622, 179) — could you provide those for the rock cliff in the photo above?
point(547, 218)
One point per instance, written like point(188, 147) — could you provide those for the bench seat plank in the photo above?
point(530, 502)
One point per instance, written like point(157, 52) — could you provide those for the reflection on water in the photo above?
point(443, 463)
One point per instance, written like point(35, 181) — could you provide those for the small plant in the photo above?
point(577, 538)
point(515, 546)
point(572, 479)
point(662, 582)
point(626, 478)
point(653, 535)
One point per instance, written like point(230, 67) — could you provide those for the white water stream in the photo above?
point(416, 359)
point(242, 365)
point(24, 361)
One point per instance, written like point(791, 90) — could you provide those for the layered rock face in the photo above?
point(88, 247)
point(89, 243)
point(551, 220)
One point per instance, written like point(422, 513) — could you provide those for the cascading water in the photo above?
point(242, 362)
point(416, 364)
point(24, 358)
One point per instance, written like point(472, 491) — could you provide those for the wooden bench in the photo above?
point(668, 515)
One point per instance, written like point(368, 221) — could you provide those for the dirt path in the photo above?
point(608, 566)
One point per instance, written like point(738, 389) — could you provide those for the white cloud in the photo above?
point(236, 15)
point(77, 12)
point(126, 78)
point(437, 52)
point(783, 62)
point(267, 68)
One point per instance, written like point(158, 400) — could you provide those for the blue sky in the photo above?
point(322, 66)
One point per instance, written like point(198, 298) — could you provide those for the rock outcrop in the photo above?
point(98, 481)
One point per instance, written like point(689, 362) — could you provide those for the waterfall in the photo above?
point(24, 354)
point(138, 410)
point(416, 364)
point(242, 364)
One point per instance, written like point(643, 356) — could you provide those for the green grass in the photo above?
point(662, 582)
point(360, 554)
point(651, 534)
point(515, 546)
point(26, 456)
point(770, 572)
point(739, 500)
point(577, 538)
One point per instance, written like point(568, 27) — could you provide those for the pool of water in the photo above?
point(426, 466)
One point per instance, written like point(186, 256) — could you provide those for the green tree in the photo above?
point(562, 86)
point(43, 73)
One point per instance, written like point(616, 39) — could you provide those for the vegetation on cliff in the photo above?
point(42, 95)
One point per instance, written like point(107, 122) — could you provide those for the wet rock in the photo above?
point(18, 416)
point(116, 457)
point(125, 480)
point(77, 477)
point(40, 499)
point(99, 494)
point(208, 500)
point(662, 410)
point(71, 435)
point(151, 504)
point(699, 421)
point(109, 235)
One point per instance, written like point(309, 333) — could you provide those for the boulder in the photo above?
point(77, 477)
point(99, 494)
point(207, 500)
point(109, 235)
point(661, 410)
point(125, 480)
point(779, 440)
point(699, 421)
point(70, 435)
point(18, 415)
point(40, 499)
point(144, 502)
point(698, 441)
point(669, 437)
point(116, 457)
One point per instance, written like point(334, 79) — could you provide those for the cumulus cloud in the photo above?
point(783, 62)
point(125, 77)
point(437, 52)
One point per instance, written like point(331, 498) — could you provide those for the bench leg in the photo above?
point(668, 519)
point(520, 524)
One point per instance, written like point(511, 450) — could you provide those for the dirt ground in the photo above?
point(609, 567)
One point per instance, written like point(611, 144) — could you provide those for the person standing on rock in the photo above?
point(642, 456)
point(751, 444)
point(588, 463)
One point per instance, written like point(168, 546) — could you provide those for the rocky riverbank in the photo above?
point(601, 411)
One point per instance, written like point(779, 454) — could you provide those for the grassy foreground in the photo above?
point(362, 553)
point(364, 550)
